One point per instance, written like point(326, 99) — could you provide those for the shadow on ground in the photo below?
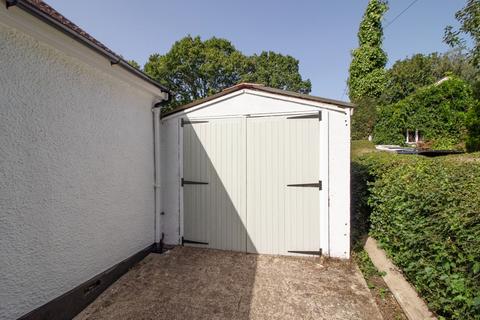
point(194, 283)
point(200, 283)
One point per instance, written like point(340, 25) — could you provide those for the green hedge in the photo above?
point(473, 123)
point(426, 214)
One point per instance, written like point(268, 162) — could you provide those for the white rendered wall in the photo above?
point(76, 172)
point(334, 158)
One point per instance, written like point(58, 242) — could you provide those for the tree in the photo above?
point(134, 64)
point(364, 118)
point(277, 71)
point(406, 76)
point(469, 19)
point(473, 126)
point(410, 74)
point(460, 64)
point(195, 69)
point(367, 74)
point(366, 79)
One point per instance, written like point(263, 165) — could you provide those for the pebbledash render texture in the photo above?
point(77, 175)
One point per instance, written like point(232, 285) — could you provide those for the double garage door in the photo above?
point(251, 184)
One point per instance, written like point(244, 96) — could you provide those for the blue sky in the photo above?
point(320, 33)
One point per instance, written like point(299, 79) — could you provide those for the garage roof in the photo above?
point(262, 88)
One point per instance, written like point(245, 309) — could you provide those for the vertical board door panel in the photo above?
point(282, 151)
point(215, 213)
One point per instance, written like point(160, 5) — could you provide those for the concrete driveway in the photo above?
point(193, 283)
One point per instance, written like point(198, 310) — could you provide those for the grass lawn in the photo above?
point(360, 147)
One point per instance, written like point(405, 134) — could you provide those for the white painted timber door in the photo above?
point(214, 171)
point(283, 196)
point(252, 184)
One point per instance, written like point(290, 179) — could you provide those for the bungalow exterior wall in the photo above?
point(76, 167)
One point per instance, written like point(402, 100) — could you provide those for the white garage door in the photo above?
point(214, 169)
point(252, 184)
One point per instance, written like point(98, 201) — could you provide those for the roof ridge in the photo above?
point(245, 85)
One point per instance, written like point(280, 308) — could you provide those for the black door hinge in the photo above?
point(184, 182)
point(313, 253)
point(307, 185)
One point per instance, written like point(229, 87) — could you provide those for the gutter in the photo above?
point(114, 59)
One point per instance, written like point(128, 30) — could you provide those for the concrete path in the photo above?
point(413, 306)
point(193, 283)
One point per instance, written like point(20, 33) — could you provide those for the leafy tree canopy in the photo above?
point(410, 74)
point(366, 80)
point(364, 118)
point(195, 69)
point(367, 75)
point(134, 64)
point(469, 19)
point(473, 126)
point(277, 71)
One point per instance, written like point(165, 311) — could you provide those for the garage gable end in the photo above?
point(252, 102)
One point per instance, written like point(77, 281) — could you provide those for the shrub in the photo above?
point(426, 214)
point(473, 123)
point(363, 118)
point(438, 111)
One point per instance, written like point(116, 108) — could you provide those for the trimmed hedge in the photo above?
point(426, 214)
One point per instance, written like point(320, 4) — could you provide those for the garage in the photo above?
point(258, 170)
